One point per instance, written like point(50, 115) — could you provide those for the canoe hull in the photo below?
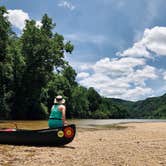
point(46, 137)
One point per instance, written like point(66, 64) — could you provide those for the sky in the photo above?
point(119, 45)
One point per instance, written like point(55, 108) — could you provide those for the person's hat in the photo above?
point(59, 99)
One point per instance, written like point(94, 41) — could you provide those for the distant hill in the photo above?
point(154, 107)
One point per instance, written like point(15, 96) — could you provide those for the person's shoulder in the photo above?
point(62, 107)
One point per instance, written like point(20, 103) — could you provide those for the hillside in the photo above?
point(154, 107)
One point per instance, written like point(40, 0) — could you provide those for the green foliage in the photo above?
point(94, 99)
point(69, 73)
point(47, 25)
point(5, 65)
point(27, 65)
point(149, 108)
point(69, 47)
point(98, 114)
point(160, 112)
point(43, 112)
point(58, 85)
point(79, 102)
point(4, 32)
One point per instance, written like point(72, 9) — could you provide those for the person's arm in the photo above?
point(62, 108)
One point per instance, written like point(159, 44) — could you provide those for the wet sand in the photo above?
point(133, 144)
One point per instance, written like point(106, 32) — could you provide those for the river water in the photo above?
point(83, 123)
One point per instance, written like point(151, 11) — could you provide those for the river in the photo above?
point(83, 123)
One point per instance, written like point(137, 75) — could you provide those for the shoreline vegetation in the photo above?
point(120, 144)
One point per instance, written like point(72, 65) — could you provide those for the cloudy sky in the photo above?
point(120, 45)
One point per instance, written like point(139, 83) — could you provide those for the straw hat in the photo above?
point(59, 100)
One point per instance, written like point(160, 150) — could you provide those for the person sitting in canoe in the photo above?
point(57, 116)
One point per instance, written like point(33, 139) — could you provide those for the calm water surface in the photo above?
point(88, 123)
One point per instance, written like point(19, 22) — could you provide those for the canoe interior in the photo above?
point(46, 137)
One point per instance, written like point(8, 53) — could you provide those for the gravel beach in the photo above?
point(132, 144)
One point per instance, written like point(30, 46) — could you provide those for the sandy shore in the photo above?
point(133, 144)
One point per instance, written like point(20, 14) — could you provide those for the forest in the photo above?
point(33, 70)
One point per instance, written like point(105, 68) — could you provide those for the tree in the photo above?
point(94, 100)
point(70, 75)
point(160, 112)
point(80, 102)
point(47, 26)
point(18, 65)
point(43, 52)
point(58, 85)
point(5, 64)
point(58, 48)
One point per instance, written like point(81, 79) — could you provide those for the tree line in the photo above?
point(33, 70)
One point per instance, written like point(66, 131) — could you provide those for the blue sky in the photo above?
point(120, 45)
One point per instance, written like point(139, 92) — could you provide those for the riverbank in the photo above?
point(126, 144)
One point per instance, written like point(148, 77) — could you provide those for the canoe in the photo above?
point(43, 137)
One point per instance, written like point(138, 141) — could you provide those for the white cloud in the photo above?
point(116, 88)
point(38, 24)
point(85, 66)
point(67, 5)
point(138, 50)
point(127, 94)
point(153, 40)
point(117, 67)
point(121, 78)
point(164, 75)
point(82, 75)
point(138, 77)
point(137, 93)
point(17, 18)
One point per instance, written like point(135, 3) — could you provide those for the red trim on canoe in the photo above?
point(8, 130)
